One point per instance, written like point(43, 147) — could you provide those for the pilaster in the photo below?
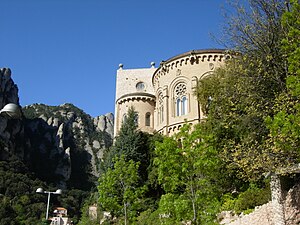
point(277, 200)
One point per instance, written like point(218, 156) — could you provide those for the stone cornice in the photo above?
point(176, 124)
point(195, 56)
point(136, 96)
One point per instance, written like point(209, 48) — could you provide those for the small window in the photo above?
point(136, 118)
point(124, 117)
point(147, 119)
point(140, 86)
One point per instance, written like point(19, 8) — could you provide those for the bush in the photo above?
point(246, 201)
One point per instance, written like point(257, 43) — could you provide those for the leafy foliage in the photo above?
point(119, 190)
point(245, 92)
point(86, 219)
point(21, 205)
point(246, 200)
point(132, 143)
point(131, 147)
point(130, 140)
point(284, 125)
point(187, 165)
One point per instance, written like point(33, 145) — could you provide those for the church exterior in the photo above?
point(163, 97)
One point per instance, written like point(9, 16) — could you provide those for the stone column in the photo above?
point(194, 102)
point(277, 200)
point(166, 108)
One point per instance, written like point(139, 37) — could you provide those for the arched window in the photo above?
point(178, 107)
point(140, 86)
point(136, 118)
point(147, 119)
point(124, 117)
point(181, 103)
point(184, 105)
point(160, 109)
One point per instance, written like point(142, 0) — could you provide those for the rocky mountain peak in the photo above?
point(60, 144)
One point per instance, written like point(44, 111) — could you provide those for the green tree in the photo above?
point(187, 167)
point(119, 189)
point(132, 143)
point(284, 136)
point(244, 92)
point(129, 141)
point(86, 218)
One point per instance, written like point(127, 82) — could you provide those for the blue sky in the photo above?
point(68, 51)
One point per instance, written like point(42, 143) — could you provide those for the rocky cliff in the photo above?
point(61, 144)
point(11, 130)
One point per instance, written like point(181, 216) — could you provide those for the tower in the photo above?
point(134, 88)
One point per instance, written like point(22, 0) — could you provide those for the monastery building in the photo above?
point(163, 97)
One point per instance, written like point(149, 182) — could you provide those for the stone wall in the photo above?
point(262, 215)
point(284, 209)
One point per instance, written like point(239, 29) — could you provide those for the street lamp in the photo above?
point(11, 110)
point(41, 191)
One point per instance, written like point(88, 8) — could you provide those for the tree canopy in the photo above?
point(250, 90)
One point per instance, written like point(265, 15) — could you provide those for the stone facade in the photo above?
point(163, 97)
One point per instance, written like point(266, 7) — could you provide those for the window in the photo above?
point(147, 119)
point(181, 103)
point(160, 109)
point(124, 117)
point(184, 105)
point(140, 86)
point(136, 119)
point(178, 107)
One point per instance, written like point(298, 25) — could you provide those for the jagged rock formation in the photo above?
point(70, 140)
point(105, 123)
point(11, 131)
point(60, 144)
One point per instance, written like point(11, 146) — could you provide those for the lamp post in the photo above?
point(41, 191)
point(11, 111)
